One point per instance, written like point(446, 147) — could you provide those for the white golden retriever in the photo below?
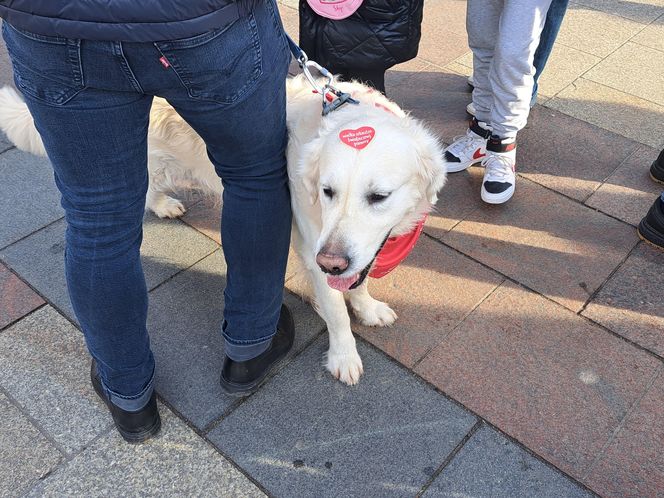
point(359, 175)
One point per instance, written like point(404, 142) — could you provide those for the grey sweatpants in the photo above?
point(503, 35)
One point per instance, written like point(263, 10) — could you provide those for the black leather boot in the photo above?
point(134, 427)
point(241, 378)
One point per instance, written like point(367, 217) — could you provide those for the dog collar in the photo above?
point(395, 250)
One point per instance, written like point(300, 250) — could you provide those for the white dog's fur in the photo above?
point(331, 184)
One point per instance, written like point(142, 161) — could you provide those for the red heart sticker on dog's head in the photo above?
point(359, 138)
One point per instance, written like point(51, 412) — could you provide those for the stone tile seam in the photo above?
point(212, 425)
point(204, 437)
point(613, 14)
point(63, 463)
point(12, 323)
point(182, 270)
point(455, 451)
point(622, 423)
point(605, 85)
point(458, 324)
point(638, 148)
point(34, 232)
point(510, 438)
point(507, 278)
point(35, 423)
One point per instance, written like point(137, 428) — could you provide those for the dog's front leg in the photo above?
point(368, 310)
point(343, 362)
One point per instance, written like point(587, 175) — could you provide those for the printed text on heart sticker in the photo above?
point(359, 138)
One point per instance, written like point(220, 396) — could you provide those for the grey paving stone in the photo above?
point(490, 465)
point(45, 366)
point(29, 199)
point(175, 463)
point(306, 434)
point(5, 144)
point(168, 246)
point(185, 326)
point(25, 454)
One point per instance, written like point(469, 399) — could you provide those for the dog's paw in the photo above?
point(346, 367)
point(167, 207)
point(374, 313)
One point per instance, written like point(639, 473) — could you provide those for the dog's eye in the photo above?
point(375, 197)
point(329, 193)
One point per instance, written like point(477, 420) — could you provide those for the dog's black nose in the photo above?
point(334, 264)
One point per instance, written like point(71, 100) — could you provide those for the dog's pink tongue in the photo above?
point(341, 283)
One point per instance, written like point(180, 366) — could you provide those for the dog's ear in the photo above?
point(430, 160)
point(309, 167)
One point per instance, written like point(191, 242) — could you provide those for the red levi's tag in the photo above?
point(395, 250)
point(359, 138)
point(164, 61)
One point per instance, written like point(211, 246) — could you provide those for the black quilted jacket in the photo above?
point(380, 34)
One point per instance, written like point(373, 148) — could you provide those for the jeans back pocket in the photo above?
point(221, 65)
point(47, 68)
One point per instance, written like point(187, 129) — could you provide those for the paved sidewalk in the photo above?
point(527, 361)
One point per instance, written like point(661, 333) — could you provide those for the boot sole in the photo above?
point(649, 236)
point(656, 180)
point(131, 437)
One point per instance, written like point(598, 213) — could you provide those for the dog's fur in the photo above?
point(331, 187)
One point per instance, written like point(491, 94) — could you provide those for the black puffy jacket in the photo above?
point(380, 34)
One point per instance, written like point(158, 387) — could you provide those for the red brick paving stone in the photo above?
point(439, 99)
point(547, 377)
point(444, 16)
point(633, 465)
point(569, 155)
point(431, 292)
point(631, 303)
point(441, 46)
point(398, 74)
point(457, 199)
point(16, 298)
point(545, 241)
point(629, 192)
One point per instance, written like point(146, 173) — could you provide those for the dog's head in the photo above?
point(374, 175)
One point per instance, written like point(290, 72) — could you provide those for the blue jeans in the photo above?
point(91, 104)
point(554, 18)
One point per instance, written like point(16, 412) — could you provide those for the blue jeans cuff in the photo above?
point(131, 403)
point(244, 352)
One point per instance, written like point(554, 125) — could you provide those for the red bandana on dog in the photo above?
point(359, 138)
point(395, 251)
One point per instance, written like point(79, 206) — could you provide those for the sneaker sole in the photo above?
point(456, 167)
point(132, 437)
point(649, 236)
point(497, 198)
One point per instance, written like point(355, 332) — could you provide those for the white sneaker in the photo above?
point(467, 149)
point(499, 178)
point(470, 109)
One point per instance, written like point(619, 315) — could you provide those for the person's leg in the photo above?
point(511, 78)
point(96, 141)
point(512, 70)
point(482, 20)
point(482, 23)
point(242, 119)
point(554, 19)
